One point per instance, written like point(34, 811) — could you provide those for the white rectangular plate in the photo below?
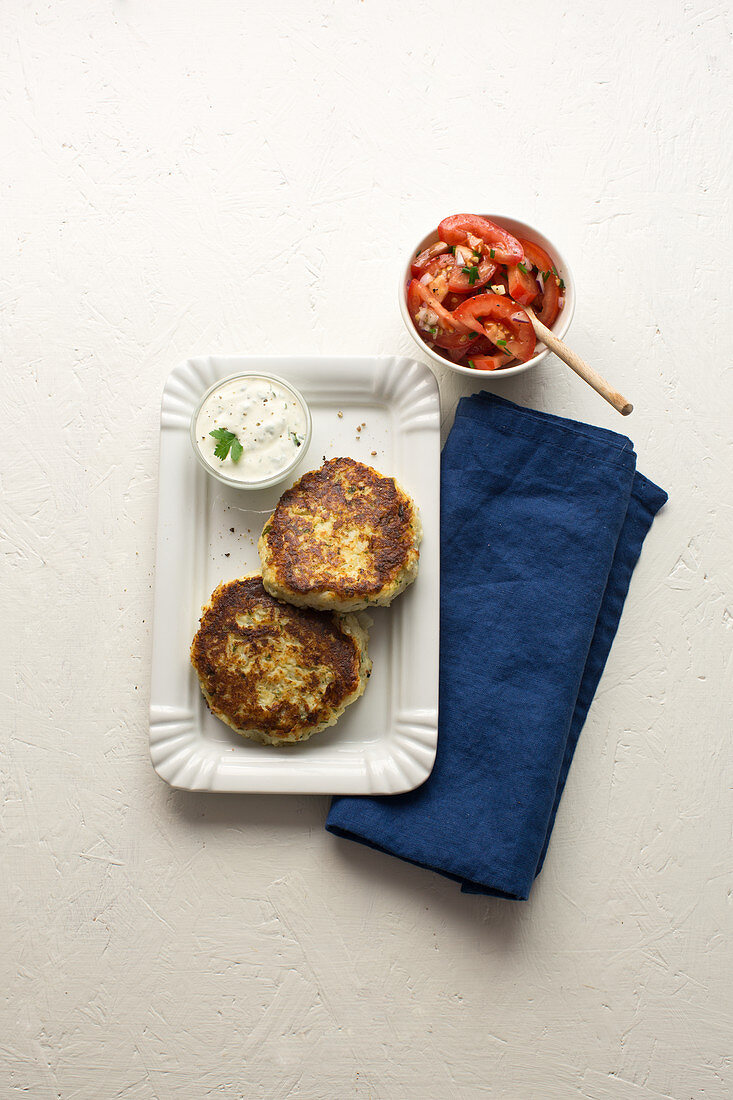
point(207, 533)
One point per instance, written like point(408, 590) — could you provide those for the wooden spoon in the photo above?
point(592, 377)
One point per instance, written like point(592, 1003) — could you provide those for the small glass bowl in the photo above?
point(272, 479)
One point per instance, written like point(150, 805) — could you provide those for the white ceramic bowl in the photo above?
point(561, 326)
point(282, 474)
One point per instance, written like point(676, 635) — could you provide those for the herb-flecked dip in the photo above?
point(250, 428)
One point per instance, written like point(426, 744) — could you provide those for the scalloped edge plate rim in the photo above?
point(384, 775)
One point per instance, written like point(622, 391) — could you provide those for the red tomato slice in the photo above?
point(483, 355)
point(491, 362)
point(455, 341)
point(454, 354)
point(481, 346)
point(421, 261)
point(523, 286)
point(438, 270)
point(414, 300)
point(452, 301)
point(456, 230)
point(500, 319)
point(473, 345)
point(550, 307)
point(460, 277)
point(417, 295)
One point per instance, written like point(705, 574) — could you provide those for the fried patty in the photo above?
point(343, 538)
point(273, 672)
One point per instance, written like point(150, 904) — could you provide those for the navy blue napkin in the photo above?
point(542, 522)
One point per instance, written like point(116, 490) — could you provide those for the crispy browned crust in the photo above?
point(238, 650)
point(351, 500)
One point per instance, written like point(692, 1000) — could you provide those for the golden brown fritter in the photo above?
point(343, 538)
point(276, 673)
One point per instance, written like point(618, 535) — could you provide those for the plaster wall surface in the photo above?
point(181, 179)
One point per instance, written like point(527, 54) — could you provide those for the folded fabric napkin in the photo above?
point(542, 522)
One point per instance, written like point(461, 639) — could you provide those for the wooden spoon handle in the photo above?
point(592, 377)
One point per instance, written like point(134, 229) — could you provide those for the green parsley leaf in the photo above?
point(472, 273)
point(562, 284)
point(452, 250)
point(492, 253)
point(502, 344)
point(473, 335)
point(522, 268)
point(472, 364)
point(226, 442)
point(545, 276)
point(297, 439)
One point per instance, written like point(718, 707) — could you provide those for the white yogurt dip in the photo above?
point(261, 428)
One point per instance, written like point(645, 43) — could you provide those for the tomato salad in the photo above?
point(467, 291)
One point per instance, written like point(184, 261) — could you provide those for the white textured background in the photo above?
point(182, 178)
